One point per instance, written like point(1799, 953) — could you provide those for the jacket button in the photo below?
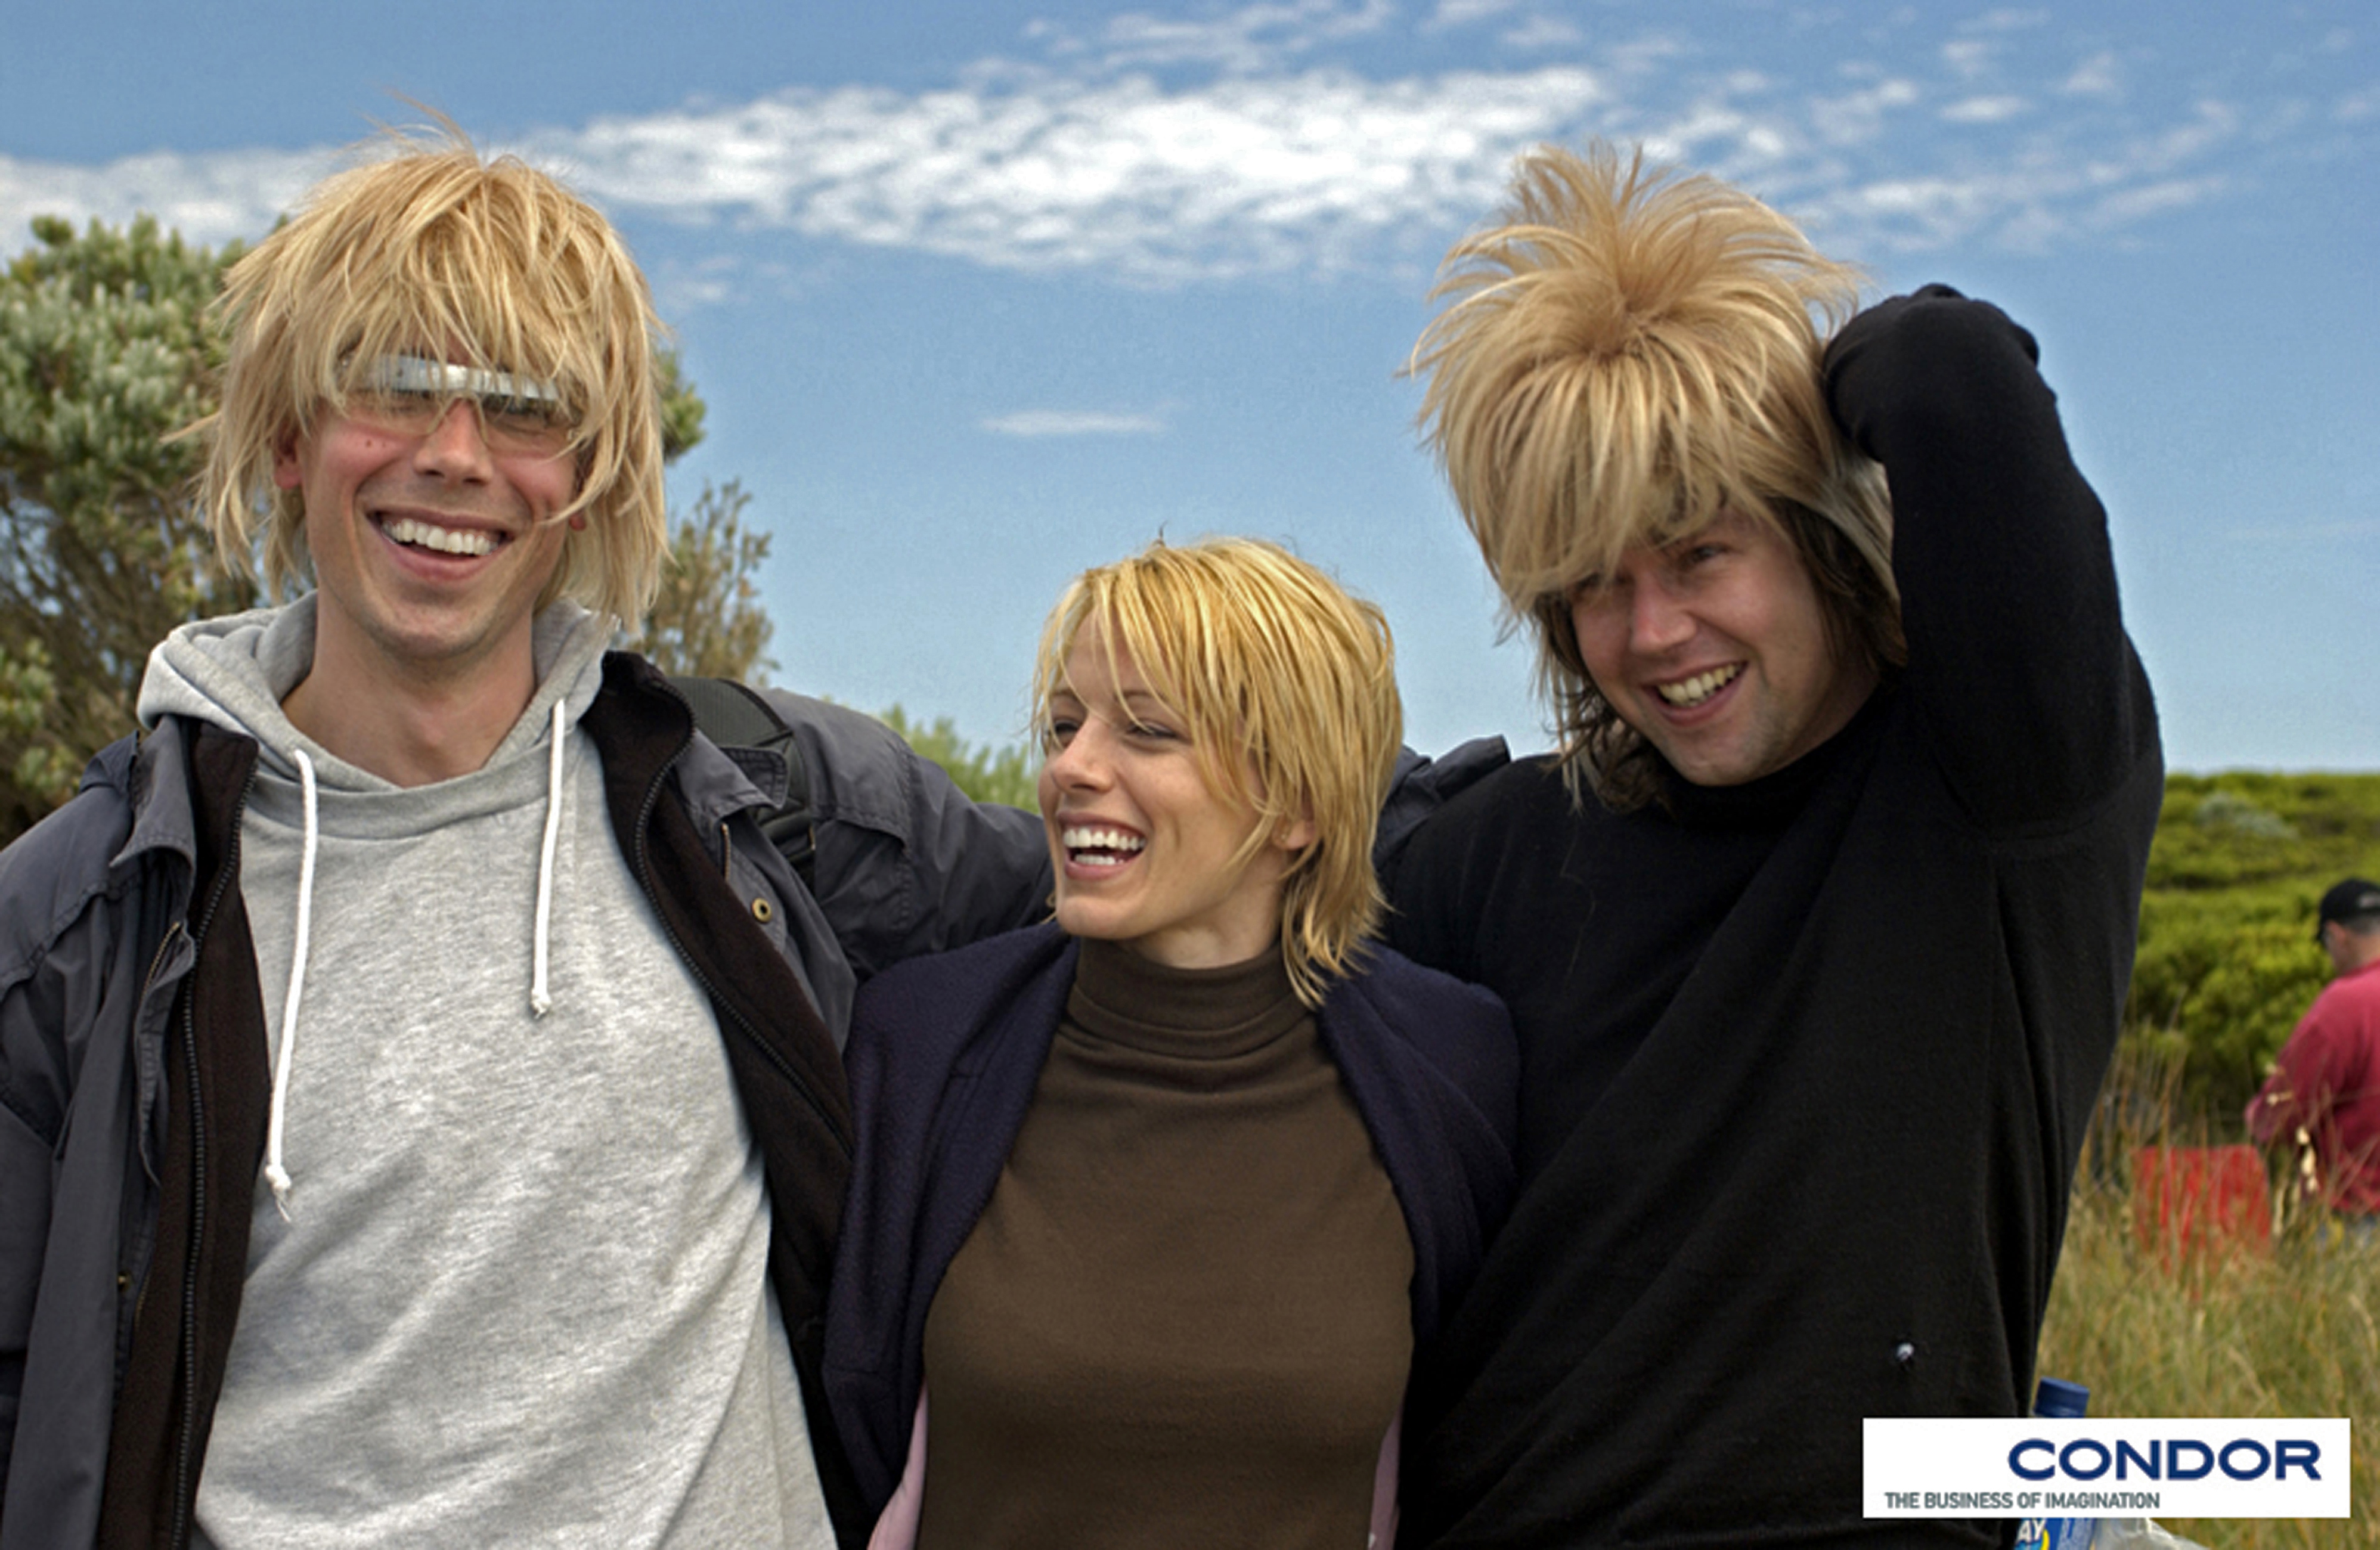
point(763, 912)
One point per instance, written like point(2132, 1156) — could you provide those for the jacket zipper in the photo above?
point(183, 1462)
point(148, 984)
point(783, 1067)
point(157, 959)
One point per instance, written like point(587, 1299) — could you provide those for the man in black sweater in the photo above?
point(1817, 929)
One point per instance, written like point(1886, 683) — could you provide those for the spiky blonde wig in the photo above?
point(434, 249)
point(1288, 688)
point(1627, 352)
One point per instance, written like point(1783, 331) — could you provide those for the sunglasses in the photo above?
point(411, 394)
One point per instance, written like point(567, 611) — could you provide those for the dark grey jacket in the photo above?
point(103, 1021)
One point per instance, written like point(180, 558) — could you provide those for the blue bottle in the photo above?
point(2056, 1397)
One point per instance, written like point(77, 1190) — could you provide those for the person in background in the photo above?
point(1153, 1204)
point(2323, 1098)
point(1816, 929)
point(422, 1119)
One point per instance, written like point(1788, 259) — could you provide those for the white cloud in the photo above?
point(1253, 39)
point(1643, 56)
point(2210, 125)
point(1711, 133)
point(1859, 116)
point(1465, 13)
point(679, 288)
point(2040, 196)
point(1985, 110)
point(1072, 422)
point(2128, 206)
point(2099, 76)
point(1164, 152)
point(1540, 34)
point(2009, 20)
point(210, 198)
point(1316, 170)
point(1968, 57)
point(1915, 213)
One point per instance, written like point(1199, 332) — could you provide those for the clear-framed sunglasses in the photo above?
point(411, 394)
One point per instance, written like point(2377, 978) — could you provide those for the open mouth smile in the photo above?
point(1688, 693)
point(466, 542)
point(1099, 844)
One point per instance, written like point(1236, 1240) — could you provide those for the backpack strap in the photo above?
point(740, 719)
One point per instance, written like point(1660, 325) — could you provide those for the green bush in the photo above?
point(2244, 826)
point(986, 773)
point(2217, 998)
point(2228, 962)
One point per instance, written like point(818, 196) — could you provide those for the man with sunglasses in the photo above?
point(421, 1117)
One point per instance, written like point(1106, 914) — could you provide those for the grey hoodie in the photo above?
point(519, 1292)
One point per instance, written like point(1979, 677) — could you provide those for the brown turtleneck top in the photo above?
point(1183, 1318)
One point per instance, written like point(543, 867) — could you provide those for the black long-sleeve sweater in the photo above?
point(1806, 1062)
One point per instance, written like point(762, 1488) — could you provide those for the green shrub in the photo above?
point(2228, 962)
point(2243, 827)
point(988, 773)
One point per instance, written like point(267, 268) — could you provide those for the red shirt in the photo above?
point(2327, 1083)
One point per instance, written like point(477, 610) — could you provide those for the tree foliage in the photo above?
point(107, 348)
point(707, 620)
point(986, 773)
point(105, 352)
point(681, 410)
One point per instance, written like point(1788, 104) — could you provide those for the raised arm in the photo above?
point(2018, 662)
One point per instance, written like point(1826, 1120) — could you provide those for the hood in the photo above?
point(235, 671)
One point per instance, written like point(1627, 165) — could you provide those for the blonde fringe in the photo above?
point(1628, 351)
point(432, 248)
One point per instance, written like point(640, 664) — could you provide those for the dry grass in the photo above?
point(2287, 1330)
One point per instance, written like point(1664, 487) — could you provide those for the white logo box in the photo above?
point(2084, 1468)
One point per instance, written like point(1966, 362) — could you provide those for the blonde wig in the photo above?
point(435, 250)
point(1287, 687)
point(1628, 352)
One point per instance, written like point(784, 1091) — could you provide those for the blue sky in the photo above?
point(982, 293)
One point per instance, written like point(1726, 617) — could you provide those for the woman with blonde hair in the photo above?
point(1154, 1203)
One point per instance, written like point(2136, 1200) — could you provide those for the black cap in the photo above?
point(2354, 897)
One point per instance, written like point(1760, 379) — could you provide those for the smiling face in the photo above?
point(428, 519)
point(1715, 647)
point(1145, 853)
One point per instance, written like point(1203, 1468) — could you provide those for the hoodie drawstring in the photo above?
point(539, 1000)
point(275, 1174)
